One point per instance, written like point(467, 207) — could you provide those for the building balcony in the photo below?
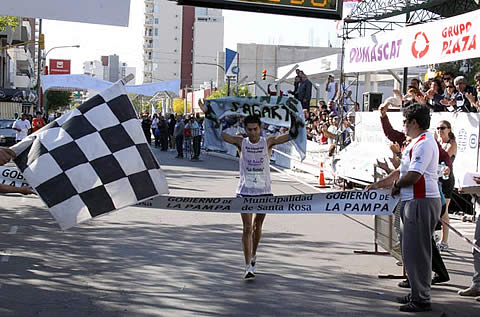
point(149, 1)
point(147, 57)
point(22, 81)
point(148, 35)
point(148, 23)
point(148, 46)
point(149, 11)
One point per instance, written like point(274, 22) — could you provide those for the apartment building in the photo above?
point(177, 38)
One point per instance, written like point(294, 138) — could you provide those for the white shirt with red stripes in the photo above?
point(421, 156)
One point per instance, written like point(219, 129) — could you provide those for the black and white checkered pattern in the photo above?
point(92, 160)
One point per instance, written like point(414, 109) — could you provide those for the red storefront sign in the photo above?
point(59, 67)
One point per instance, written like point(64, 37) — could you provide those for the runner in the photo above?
point(255, 152)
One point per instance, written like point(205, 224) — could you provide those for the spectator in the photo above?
point(171, 128)
point(22, 126)
point(331, 133)
point(415, 83)
point(178, 134)
point(38, 122)
point(331, 88)
point(154, 128)
point(196, 138)
point(332, 108)
point(474, 289)
point(305, 91)
point(162, 127)
point(146, 126)
point(448, 97)
point(462, 102)
point(424, 207)
point(447, 78)
point(434, 96)
point(474, 101)
point(308, 118)
point(446, 138)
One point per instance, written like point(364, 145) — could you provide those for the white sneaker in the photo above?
point(253, 263)
point(249, 273)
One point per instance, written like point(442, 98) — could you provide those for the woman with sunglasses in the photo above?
point(448, 100)
point(446, 138)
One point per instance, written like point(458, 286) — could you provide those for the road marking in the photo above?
point(5, 256)
point(465, 228)
point(13, 230)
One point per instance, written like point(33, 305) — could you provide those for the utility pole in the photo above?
point(39, 65)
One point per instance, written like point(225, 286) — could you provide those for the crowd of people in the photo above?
point(174, 132)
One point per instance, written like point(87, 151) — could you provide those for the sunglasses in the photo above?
point(447, 78)
point(450, 86)
point(441, 128)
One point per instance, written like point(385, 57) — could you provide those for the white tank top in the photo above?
point(254, 168)
point(331, 91)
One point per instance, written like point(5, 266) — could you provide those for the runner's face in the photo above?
point(253, 131)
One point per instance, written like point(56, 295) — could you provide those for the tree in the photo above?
point(179, 105)
point(158, 106)
point(58, 99)
point(6, 21)
point(467, 68)
point(242, 90)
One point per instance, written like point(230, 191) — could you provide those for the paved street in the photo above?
point(146, 262)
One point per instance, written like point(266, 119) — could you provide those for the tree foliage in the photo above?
point(7, 21)
point(179, 105)
point(242, 91)
point(57, 100)
point(467, 68)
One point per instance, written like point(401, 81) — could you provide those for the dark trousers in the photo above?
point(196, 146)
point(179, 144)
point(437, 263)
point(163, 142)
point(148, 135)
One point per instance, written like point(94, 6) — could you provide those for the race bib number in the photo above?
point(255, 179)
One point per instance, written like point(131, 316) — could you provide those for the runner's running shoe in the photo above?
point(253, 263)
point(249, 274)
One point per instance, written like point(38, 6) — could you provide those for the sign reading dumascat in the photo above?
point(374, 202)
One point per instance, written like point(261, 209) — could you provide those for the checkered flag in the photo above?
point(92, 160)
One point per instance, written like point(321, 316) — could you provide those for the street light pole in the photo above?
point(41, 62)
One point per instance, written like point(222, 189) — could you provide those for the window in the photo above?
point(156, 32)
point(156, 20)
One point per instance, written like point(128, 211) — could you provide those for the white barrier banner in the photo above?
point(374, 202)
point(12, 177)
point(436, 42)
point(357, 160)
